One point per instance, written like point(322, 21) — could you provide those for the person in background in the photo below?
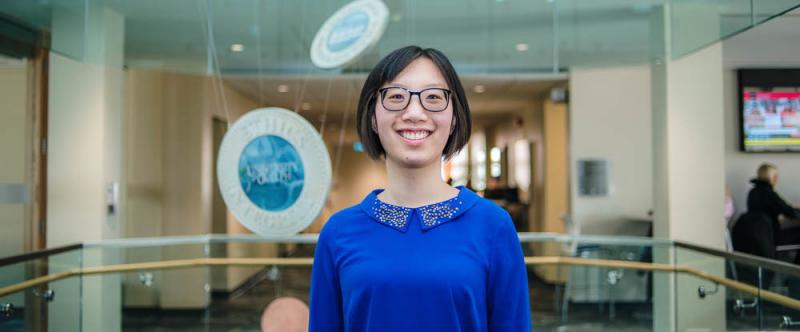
point(763, 199)
point(730, 209)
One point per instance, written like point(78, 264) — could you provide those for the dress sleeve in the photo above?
point(783, 207)
point(509, 301)
point(325, 309)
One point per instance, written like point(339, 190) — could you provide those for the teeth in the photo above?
point(414, 135)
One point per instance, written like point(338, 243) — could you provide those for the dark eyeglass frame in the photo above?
point(411, 94)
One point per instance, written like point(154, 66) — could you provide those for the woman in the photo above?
point(765, 200)
point(419, 255)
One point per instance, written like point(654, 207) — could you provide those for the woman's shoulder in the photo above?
point(490, 215)
point(342, 218)
point(489, 208)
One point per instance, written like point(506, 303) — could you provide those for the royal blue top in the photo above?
point(456, 265)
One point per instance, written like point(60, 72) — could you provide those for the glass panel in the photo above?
point(65, 20)
point(101, 294)
point(593, 33)
point(696, 24)
point(742, 309)
point(38, 308)
point(699, 303)
point(64, 311)
point(241, 294)
point(159, 298)
point(765, 10)
point(141, 290)
point(598, 297)
point(777, 316)
point(13, 306)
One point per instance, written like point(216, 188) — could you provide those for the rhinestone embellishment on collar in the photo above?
point(429, 216)
point(438, 213)
point(392, 215)
point(432, 215)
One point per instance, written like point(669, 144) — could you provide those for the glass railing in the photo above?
point(224, 283)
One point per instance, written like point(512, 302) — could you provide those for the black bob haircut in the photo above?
point(386, 70)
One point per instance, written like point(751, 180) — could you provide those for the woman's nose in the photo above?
point(415, 111)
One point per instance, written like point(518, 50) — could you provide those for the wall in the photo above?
point(774, 44)
point(610, 119)
point(740, 167)
point(83, 140)
point(169, 182)
point(688, 170)
point(15, 138)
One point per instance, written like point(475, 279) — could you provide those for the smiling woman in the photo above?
point(419, 255)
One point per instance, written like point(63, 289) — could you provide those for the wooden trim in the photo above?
point(36, 318)
point(547, 260)
point(40, 130)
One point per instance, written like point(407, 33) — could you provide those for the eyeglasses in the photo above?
point(431, 99)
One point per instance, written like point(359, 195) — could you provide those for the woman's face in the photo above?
point(414, 137)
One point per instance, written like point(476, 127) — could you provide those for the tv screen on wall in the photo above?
point(771, 119)
point(769, 110)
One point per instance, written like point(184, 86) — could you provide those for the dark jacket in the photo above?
point(763, 199)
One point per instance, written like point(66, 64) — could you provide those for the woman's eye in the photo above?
point(396, 97)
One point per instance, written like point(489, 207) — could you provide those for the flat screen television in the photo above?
point(769, 110)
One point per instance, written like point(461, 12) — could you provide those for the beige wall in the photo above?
point(689, 166)
point(15, 138)
point(84, 140)
point(611, 120)
point(169, 182)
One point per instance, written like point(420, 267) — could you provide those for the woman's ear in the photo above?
point(374, 123)
point(453, 125)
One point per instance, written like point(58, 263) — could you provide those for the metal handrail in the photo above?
point(547, 260)
point(739, 257)
point(311, 238)
point(38, 254)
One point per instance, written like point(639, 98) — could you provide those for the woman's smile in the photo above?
point(414, 136)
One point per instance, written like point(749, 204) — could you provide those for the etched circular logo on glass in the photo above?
point(348, 33)
point(271, 173)
point(345, 33)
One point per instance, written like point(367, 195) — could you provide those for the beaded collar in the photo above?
point(399, 217)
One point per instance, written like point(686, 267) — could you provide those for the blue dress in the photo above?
point(456, 265)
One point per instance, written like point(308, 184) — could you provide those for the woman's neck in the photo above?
point(414, 187)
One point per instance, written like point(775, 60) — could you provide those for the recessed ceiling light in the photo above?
point(479, 88)
point(397, 18)
point(522, 47)
point(283, 88)
point(237, 48)
point(306, 106)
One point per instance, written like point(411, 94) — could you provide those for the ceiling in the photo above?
point(773, 44)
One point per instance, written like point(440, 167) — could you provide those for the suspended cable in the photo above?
point(215, 71)
point(300, 93)
point(259, 54)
